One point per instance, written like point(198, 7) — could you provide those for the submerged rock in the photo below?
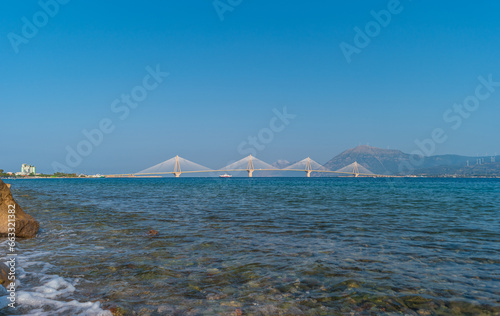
point(152, 233)
point(117, 311)
point(26, 226)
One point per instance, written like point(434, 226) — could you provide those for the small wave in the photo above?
point(41, 294)
point(39, 302)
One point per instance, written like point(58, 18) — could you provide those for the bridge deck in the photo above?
point(239, 170)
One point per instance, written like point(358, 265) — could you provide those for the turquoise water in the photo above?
point(261, 246)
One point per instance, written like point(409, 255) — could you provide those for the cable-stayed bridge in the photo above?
point(178, 165)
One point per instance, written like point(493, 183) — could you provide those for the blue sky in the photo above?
point(226, 77)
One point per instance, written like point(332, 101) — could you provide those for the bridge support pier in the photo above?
point(177, 167)
point(308, 167)
point(250, 167)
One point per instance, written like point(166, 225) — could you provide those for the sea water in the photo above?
point(259, 246)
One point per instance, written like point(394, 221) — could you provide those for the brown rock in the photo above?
point(237, 312)
point(4, 274)
point(152, 233)
point(117, 311)
point(26, 226)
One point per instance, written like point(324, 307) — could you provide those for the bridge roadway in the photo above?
point(250, 172)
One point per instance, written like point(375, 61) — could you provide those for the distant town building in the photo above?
point(27, 170)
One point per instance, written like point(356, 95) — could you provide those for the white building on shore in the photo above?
point(27, 170)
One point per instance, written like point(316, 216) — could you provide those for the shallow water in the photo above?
point(260, 246)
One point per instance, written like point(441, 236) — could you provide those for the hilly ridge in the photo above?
point(377, 160)
point(389, 162)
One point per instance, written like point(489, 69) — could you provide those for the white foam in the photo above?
point(56, 286)
point(52, 295)
point(35, 300)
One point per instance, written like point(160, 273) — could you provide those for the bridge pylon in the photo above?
point(250, 168)
point(177, 167)
point(308, 167)
point(356, 170)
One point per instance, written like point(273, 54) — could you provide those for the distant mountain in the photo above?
point(281, 164)
point(377, 160)
point(388, 161)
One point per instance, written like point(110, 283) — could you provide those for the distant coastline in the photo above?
point(363, 161)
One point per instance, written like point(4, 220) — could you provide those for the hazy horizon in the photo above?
point(299, 80)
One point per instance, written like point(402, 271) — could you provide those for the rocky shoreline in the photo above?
point(25, 225)
point(13, 216)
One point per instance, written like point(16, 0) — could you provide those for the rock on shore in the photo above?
point(26, 225)
point(4, 274)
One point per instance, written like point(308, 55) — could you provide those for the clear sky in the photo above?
point(229, 66)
